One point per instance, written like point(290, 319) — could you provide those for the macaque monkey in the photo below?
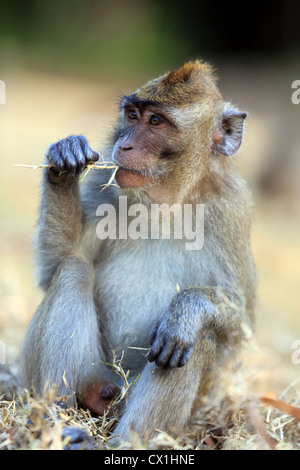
point(173, 143)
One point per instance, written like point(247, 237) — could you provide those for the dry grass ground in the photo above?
point(41, 109)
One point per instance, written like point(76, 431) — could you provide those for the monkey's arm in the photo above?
point(192, 310)
point(60, 222)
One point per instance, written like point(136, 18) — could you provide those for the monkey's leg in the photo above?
point(163, 397)
point(63, 340)
point(184, 344)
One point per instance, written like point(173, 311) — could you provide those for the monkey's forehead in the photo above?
point(175, 94)
point(193, 82)
point(135, 100)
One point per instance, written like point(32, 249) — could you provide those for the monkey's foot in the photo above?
point(98, 396)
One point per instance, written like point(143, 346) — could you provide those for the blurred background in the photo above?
point(65, 65)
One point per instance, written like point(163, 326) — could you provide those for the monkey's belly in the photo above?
point(133, 290)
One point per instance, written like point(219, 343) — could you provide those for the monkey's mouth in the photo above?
point(131, 170)
point(130, 177)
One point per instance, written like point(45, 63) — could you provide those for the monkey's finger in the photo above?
point(94, 156)
point(153, 334)
point(76, 151)
point(156, 348)
point(54, 157)
point(74, 164)
point(90, 155)
point(164, 357)
point(175, 358)
point(185, 357)
point(77, 439)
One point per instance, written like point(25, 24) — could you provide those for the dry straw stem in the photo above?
point(38, 423)
point(228, 420)
point(93, 166)
point(127, 384)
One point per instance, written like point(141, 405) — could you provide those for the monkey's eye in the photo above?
point(155, 120)
point(132, 115)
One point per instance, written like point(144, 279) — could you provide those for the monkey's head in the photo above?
point(175, 131)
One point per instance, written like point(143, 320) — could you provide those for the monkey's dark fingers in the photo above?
point(153, 335)
point(175, 359)
point(90, 155)
point(157, 346)
point(71, 155)
point(82, 152)
point(78, 439)
point(174, 355)
point(164, 357)
point(95, 156)
point(185, 357)
point(66, 156)
point(165, 350)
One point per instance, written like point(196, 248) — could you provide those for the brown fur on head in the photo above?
point(194, 81)
point(196, 130)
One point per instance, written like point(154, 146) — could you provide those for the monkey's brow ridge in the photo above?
point(133, 100)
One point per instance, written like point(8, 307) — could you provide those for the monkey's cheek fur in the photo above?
point(130, 179)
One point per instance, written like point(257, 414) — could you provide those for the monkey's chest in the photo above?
point(133, 290)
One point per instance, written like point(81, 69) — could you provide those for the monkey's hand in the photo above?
point(193, 309)
point(69, 157)
point(172, 342)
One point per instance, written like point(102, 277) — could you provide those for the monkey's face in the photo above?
point(173, 132)
point(145, 143)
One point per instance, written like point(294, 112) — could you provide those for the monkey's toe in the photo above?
point(78, 439)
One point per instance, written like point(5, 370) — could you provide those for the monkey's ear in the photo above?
point(227, 137)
